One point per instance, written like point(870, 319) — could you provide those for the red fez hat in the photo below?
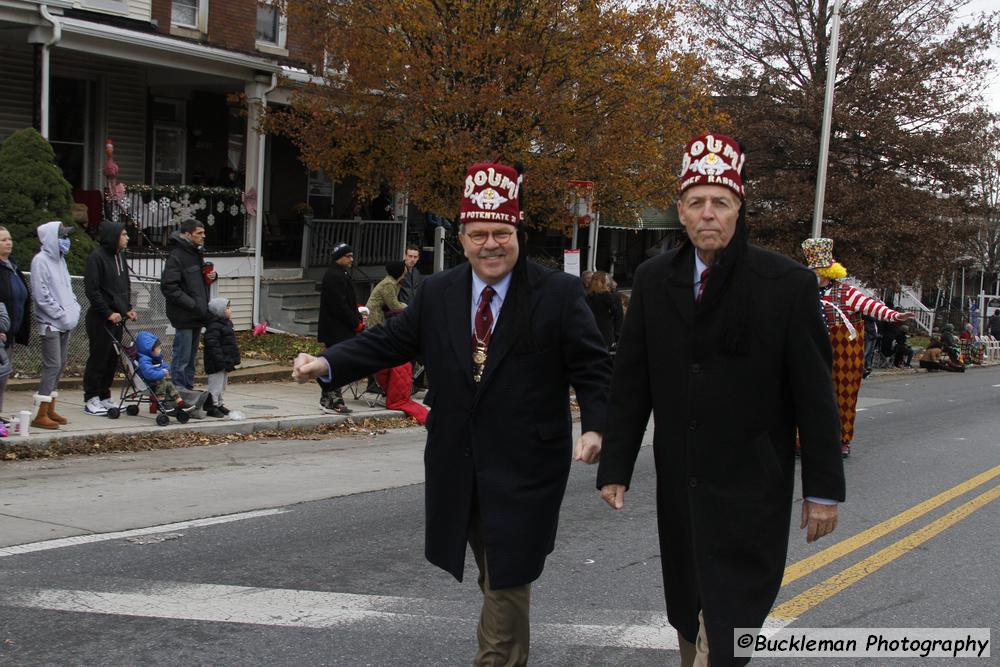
point(491, 195)
point(713, 159)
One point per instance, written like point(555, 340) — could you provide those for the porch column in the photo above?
point(256, 92)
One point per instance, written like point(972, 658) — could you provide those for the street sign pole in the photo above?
point(824, 146)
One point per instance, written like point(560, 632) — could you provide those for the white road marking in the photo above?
point(320, 610)
point(104, 537)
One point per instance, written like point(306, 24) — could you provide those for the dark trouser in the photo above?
point(870, 343)
point(102, 362)
point(504, 630)
point(904, 355)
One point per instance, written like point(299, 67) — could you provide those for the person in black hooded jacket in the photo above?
point(109, 290)
point(187, 292)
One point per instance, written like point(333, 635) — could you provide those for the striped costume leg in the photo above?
point(848, 368)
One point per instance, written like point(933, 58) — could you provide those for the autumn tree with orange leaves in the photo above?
point(409, 92)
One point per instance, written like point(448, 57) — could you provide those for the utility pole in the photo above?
point(824, 145)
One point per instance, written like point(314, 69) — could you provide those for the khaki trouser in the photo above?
point(695, 655)
point(504, 630)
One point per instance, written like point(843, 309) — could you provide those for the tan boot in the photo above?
point(53, 415)
point(41, 419)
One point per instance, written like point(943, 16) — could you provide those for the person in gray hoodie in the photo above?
point(57, 313)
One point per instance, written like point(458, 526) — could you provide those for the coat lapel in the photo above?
point(458, 305)
point(680, 286)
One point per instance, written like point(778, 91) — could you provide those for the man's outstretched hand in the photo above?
point(307, 367)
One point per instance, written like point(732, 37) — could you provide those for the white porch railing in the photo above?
point(923, 316)
point(374, 242)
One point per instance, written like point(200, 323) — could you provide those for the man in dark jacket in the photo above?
point(109, 290)
point(724, 343)
point(499, 443)
point(183, 284)
point(412, 278)
point(339, 319)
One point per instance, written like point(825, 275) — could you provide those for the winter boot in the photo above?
point(53, 415)
point(41, 420)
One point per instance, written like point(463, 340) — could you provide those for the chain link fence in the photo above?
point(150, 307)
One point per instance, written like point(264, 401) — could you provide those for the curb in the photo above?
point(38, 440)
point(281, 374)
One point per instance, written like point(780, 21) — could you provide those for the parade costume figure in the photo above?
point(843, 307)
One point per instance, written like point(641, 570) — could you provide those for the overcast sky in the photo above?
point(993, 95)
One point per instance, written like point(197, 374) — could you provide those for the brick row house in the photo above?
point(161, 80)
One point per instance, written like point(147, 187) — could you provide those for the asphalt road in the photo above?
point(332, 572)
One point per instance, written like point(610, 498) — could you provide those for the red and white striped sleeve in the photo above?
point(857, 302)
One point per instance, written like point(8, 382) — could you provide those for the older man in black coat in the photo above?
point(504, 339)
point(339, 319)
point(724, 343)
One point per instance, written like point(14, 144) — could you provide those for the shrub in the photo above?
point(33, 191)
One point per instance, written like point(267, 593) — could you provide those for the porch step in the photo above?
point(300, 299)
point(282, 273)
point(281, 287)
point(299, 313)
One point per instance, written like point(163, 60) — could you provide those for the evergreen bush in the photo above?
point(33, 191)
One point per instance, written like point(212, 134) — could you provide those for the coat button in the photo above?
point(693, 425)
point(694, 481)
point(695, 368)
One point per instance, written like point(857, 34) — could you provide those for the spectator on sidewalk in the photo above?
point(149, 367)
point(6, 368)
point(412, 278)
point(186, 289)
point(57, 312)
point(606, 307)
point(384, 301)
point(871, 342)
point(903, 352)
point(222, 352)
point(339, 319)
point(499, 443)
point(994, 324)
point(109, 289)
point(15, 298)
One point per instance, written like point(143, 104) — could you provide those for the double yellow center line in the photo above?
point(808, 599)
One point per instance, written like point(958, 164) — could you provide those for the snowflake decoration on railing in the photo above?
point(185, 209)
point(234, 210)
point(210, 220)
point(220, 206)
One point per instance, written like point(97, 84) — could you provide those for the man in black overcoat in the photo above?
point(504, 339)
point(339, 319)
point(724, 343)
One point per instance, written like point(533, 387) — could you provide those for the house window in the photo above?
point(272, 26)
point(185, 13)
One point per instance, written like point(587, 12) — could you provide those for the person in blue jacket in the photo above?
point(154, 373)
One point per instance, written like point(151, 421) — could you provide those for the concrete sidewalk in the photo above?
point(275, 403)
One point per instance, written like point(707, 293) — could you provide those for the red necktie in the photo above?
point(484, 315)
point(701, 283)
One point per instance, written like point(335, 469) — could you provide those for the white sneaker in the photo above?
point(94, 407)
point(109, 403)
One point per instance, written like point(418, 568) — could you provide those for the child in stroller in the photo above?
point(152, 370)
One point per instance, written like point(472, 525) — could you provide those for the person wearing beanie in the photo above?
point(724, 344)
point(222, 352)
point(339, 319)
point(504, 339)
point(843, 307)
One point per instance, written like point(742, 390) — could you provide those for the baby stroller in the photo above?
point(135, 392)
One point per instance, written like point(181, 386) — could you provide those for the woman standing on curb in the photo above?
point(14, 296)
point(57, 312)
point(843, 307)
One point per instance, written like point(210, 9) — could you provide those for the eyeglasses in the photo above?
point(479, 237)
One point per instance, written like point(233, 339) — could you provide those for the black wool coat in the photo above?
point(724, 442)
point(183, 285)
point(507, 442)
point(222, 353)
point(338, 307)
point(23, 333)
